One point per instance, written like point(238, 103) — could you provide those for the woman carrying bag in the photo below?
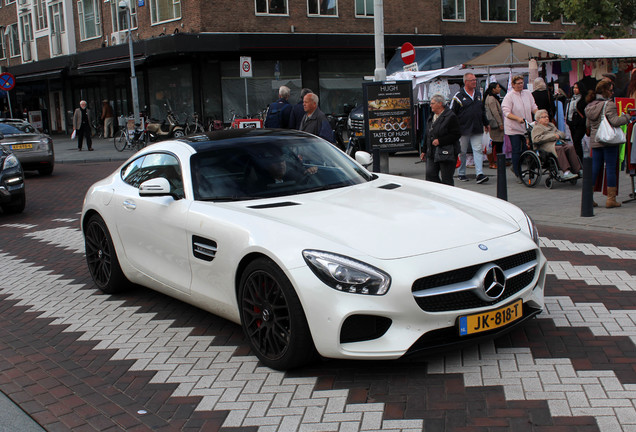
point(603, 152)
point(442, 142)
point(494, 114)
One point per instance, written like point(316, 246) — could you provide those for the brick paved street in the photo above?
point(75, 359)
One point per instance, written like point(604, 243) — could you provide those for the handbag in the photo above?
point(444, 154)
point(608, 134)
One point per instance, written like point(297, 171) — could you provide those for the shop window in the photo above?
point(322, 7)
point(453, 10)
point(341, 82)
point(120, 17)
point(170, 88)
point(499, 10)
point(40, 12)
point(364, 8)
point(164, 10)
point(89, 19)
point(271, 7)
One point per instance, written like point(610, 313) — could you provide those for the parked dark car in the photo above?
point(12, 195)
point(33, 149)
point(355, 130)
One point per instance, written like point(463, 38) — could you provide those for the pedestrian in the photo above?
point(108, 116)
point(518, 107)
point(469, 109)
point(441, 143)
point(605, 153)
point(298, 112)
point(278, 112)
point(494, 114)
point(548, 138)
point(314, 120)
point(82, 126)
point(543, 98)
point(575, 117)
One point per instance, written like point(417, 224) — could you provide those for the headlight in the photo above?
point(532, 228)
point(347, 274)
point(10, 162)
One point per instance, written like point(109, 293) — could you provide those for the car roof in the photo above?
point(237, 137)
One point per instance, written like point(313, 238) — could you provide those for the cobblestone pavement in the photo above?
point(75, 359)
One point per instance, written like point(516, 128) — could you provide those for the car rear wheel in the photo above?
point(102, 259)
point(272, 317)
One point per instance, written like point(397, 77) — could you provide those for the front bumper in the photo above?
point(11, 187)
point(389, 326)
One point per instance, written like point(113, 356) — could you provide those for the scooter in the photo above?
point(168, 128)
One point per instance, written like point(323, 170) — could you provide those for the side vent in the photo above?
point(203, 248)
point(274, 205)
point(390, 186)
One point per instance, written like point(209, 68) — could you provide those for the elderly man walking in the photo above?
point(278, 113)
point(468, 107)
point(315, 121)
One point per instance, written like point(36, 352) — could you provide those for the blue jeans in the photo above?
point(478, 153)
point(608, 156)
point(518, 144)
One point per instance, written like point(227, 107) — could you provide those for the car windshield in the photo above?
point(272, 168)
point(16, 128)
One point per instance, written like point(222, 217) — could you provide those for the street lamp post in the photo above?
point(123, 4)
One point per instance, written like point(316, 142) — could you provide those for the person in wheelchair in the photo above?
point(546, 137)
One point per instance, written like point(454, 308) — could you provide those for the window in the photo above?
point(40, 11)
point(14, 40)
point(453, 10)
point(89, 19)
point(499, 10)
point(322, 7)
point(56, 15)
point(534, 16)
point(27, 36)
point(120, 18)
point(364, 8)
point(2, 47)
point(8, 2)
point(164, 10)
point(278, 7)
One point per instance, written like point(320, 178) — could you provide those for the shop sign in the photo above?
point(389, 115)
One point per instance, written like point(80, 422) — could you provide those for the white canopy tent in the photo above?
point(517, 52)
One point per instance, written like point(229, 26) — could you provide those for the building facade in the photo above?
point(186, 52)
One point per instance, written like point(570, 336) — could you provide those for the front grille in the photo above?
point(467, 299)
point(357, 125)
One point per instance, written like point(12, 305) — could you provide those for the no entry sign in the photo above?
point(7, 81)
point(408, 53)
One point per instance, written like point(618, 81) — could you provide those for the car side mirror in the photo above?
point(158, 186)
point(364, 158)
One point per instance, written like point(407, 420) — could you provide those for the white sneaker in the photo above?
point(569, 176)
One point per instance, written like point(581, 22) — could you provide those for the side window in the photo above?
point(152, 166)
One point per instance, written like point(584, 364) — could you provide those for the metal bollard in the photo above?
point(502, 185)
point(587, 191)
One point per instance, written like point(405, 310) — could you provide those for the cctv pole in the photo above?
point(133, 77)
point(380, 159)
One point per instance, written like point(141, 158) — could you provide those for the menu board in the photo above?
point(389, 115)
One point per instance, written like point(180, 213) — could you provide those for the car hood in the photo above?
point(390, 219)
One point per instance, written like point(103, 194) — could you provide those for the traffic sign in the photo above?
point(246, 67)
point(408, 53)
point(7, 81)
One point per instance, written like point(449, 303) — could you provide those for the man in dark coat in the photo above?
point(298, 112)
point(315, 122)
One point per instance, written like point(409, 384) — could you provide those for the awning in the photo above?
point(513, 52)
point(108, 65)
point(54, 74)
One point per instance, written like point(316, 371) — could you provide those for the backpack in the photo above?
point(274, 117)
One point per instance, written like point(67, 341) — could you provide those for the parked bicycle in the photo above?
point(192, 124)
point(128, 137)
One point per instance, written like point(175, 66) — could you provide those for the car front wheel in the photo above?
point(272, 317)
point(102, 259)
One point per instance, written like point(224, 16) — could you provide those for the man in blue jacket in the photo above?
point(278, 112)
point(315, 122)
point(468, 107)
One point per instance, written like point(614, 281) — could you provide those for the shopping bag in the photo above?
point(73, 134)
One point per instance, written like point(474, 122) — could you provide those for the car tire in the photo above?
point(272, 317)
point(16, 206)
point(101, 257)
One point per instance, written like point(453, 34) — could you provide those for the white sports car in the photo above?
point(312, 254)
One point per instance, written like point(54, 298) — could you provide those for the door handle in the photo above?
point(129, 205)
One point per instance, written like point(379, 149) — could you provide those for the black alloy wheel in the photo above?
point(272, 317)
point(101, 257)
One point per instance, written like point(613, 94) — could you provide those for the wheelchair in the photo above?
point(535, 163)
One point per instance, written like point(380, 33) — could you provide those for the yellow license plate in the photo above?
point(21, 146)
point(490, 320)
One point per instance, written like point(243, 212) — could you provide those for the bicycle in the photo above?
point(97, 129)
point(124, 139)
point(192, 125)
